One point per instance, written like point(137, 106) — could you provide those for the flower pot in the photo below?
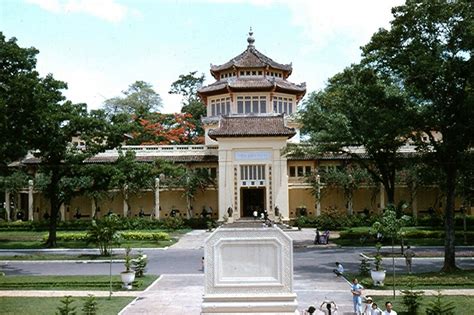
point(378, 276)
point(127, 279)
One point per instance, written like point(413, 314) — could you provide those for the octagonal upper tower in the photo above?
point(250, 84)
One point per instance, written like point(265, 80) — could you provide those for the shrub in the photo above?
point(440, 307)
point(173, 223)
point(139, 264)
point(145, 236)
point(69, 237)
point(103, 233)
point(66, 308)
point(90, 305)
point(412, 299)
point(197, 223)
point(364, 268)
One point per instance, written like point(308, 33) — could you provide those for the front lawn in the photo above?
point(89, 283)
point(427, 280)
point(464, 304)
point(35, 240)
point(49, 305)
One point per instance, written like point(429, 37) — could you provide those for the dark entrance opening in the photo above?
point(252, 199)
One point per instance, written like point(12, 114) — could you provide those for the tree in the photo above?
point(21, 92)
point(165, 129)
point(428, 50)
point(37, 118)
point(348, 179)
point(138, 100)
point(131, 176)
point(187, 86)
point(361, 108)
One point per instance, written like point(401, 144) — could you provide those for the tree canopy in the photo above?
point(428, 51)
point(138, 100)
point(187, 86)
point(359, 107)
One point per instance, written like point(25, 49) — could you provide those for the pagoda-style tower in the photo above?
point(249, 117)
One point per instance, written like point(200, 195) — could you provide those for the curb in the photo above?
point(101, 261)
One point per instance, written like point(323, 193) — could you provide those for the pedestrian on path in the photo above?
point(389, 309)
point(339, 271)
point(356, 290)
point(375, 309)
point(328, 307)
point(310, 310)
point(409, 254)
point(368, 306)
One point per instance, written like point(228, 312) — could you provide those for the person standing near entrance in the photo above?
point(409, 254)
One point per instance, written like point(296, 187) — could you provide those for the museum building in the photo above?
point(250, 120)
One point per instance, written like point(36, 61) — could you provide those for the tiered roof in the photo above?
point(251, 59)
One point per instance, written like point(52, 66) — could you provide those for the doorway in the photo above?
point(252, 199)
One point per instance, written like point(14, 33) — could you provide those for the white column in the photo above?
point(382, 197)
point(414, 204)
point(30, 200)
point(125, 202)
point(318, 196)
point(61, 212)
point(157, 198)
point(7, 204)
point(93, 208)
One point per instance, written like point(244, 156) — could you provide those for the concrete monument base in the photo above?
point(249, 270)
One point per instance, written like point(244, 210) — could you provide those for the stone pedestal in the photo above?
point(249, 270)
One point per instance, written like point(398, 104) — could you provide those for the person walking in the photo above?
point(330, 307)
point(356, 290)
point(368, 306)
point(409, 254)
point(389, 309)
point(375, 310)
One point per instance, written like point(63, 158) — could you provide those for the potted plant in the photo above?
point(128, 276)
point(378, 275)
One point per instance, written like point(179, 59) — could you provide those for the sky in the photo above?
point(100, 47)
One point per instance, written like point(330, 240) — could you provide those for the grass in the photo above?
point(464, 304)
point(90, 283)
point(427, 280)
point(49, 305)
point(34, 240)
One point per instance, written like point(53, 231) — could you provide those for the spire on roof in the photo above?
point(250, 39)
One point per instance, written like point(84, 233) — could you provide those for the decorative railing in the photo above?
point(164, 149)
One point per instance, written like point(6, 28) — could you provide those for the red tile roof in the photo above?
point(260, 83)
point(252, 126)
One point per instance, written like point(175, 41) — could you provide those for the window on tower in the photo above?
point(251, 104)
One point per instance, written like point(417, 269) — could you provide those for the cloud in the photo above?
point(324, 22)
point(107, 10)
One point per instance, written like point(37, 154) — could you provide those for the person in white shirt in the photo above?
point(367, 308)
point(375, 310)
point(339, 269)
point(389, 309)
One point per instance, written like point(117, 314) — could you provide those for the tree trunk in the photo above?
point(350, 210)
point(449, 249)
point(55, 205)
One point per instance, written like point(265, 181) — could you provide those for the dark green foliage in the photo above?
point(187, 86)
point(364, 267)
point(440, 307)
point(103, 233)
point(90, 305)
point(173, 223)
point(412, 299)
point(66, 308)
point(139, 264)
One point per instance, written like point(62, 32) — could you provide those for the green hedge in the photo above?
point(410, 234)
point(169, 223)
point(126, 235)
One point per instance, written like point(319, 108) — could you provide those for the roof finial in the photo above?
point(250, 39)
